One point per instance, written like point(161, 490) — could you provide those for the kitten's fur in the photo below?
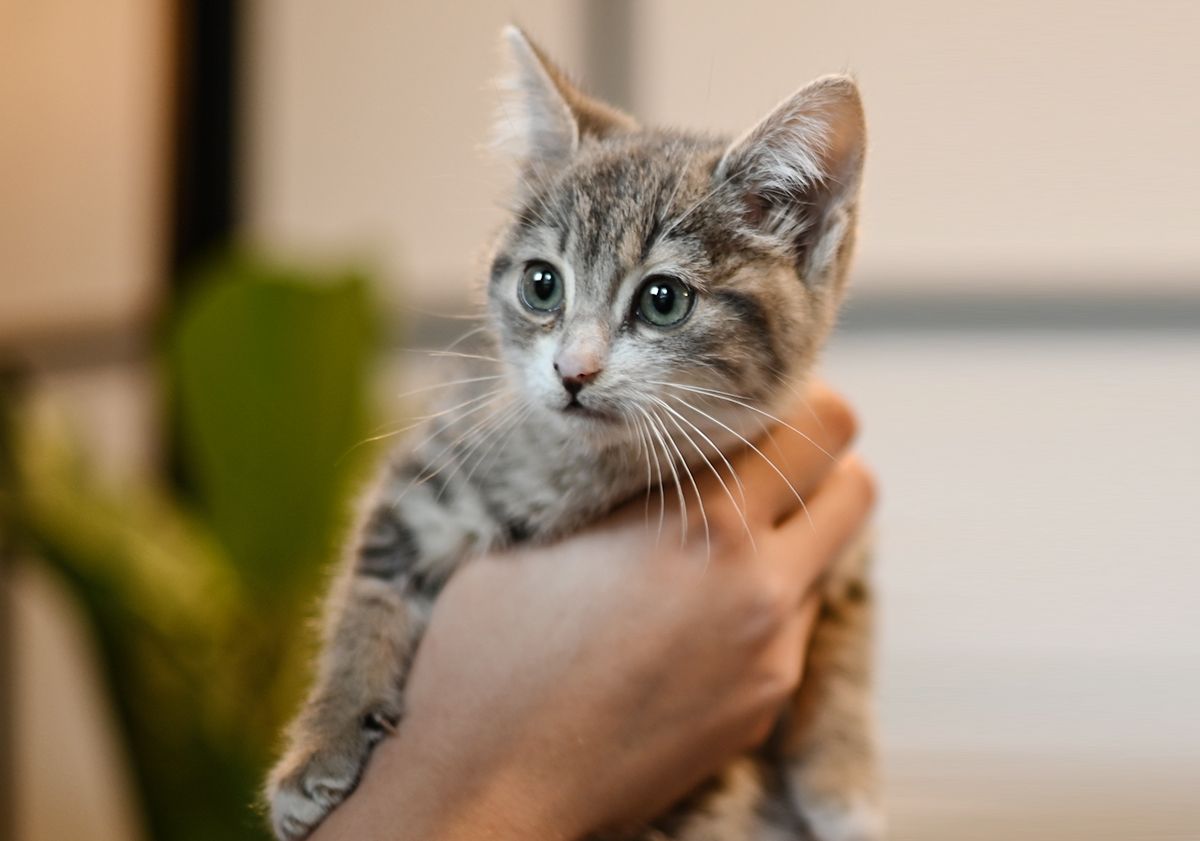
point(762, 229)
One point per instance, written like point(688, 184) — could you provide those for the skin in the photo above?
point(653, 659)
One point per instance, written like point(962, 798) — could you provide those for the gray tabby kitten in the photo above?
point(654, 296)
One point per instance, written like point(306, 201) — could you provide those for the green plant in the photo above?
point(201, 603)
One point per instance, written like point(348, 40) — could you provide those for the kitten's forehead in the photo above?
point(618, 200)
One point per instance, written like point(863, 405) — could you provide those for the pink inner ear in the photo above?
point(813, 140)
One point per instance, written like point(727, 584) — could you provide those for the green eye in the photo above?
point(664, 301)
point(541, 288)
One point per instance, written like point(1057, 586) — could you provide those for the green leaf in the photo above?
point(270, 373)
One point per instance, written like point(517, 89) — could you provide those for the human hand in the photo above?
point(587, 684)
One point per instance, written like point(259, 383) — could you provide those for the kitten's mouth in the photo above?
point(577, 408)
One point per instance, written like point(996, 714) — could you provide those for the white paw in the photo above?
point(294, 814)
point(855, 818)
point(301, 800)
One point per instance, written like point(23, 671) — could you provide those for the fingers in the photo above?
point(791, 644)
point(779, 468)
point(837, 513)
point(782, 663)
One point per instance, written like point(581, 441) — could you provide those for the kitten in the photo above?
point(656, 292)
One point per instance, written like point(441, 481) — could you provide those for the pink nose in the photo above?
point(576, 369)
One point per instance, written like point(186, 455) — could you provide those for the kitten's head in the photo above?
point(643, 267)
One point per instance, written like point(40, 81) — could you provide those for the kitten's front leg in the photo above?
point(357, 699)
point(827, 740)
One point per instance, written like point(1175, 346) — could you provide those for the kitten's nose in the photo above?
point(576, 373)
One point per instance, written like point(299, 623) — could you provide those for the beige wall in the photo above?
point(1015, 144)
point(366, 119)
point(83, 180)
point(83, 129)
point(70, 775)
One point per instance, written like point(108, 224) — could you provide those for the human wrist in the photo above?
point(501, 808)
point(415, 790)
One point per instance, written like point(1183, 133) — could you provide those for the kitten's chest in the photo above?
point(544, 488)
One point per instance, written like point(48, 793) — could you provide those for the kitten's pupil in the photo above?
point(662, 297)
point(543, 284)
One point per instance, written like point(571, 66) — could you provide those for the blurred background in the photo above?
point(222, 223)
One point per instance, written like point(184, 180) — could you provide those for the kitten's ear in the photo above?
point(798, 171)
point(543, 117)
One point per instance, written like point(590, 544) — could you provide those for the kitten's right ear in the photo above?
point(543, 117)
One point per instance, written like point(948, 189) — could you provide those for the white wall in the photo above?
point(1016, 145)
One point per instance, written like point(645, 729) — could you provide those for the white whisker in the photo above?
point(720, 395)
point(445, 457)
point(687, 470)
point(750, 444)
point(508, 427)
point(741, 489)
point(481, 328)
point(657, 431)
point(420, 421)
point(453, 353)
point(662, 496)
point(631, 424)
point(448, 384)
point(691, 478)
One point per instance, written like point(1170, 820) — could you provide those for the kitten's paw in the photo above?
point(853, 818)
point(301, 796)
point(310, 782)
point(295, 811)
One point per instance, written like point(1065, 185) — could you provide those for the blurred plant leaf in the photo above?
point(200, 609)
point(165, 608)
point(270, 374)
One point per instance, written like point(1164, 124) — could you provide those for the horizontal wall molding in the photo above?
point(917, 313)
point(926, 312)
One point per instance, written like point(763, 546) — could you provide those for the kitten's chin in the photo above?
point(580, 412)
point(590, 425)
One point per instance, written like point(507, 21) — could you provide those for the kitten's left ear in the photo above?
point(544, 117)
point(798, 172)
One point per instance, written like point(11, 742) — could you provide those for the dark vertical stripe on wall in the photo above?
point(204, 180)
point(12, 382)
point(8, 682)
point(206, 130)
point(608, 48)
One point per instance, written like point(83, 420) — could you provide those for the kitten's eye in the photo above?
point(664, 301)
point(541, 288)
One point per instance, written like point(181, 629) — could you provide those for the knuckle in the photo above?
point(759, 727)
point(846, 419)
point(793, 671)
point(837, 415)
point(729, 535)
point(776, 688)
point(781, 677)
point(772, 603)
point(866, 479)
